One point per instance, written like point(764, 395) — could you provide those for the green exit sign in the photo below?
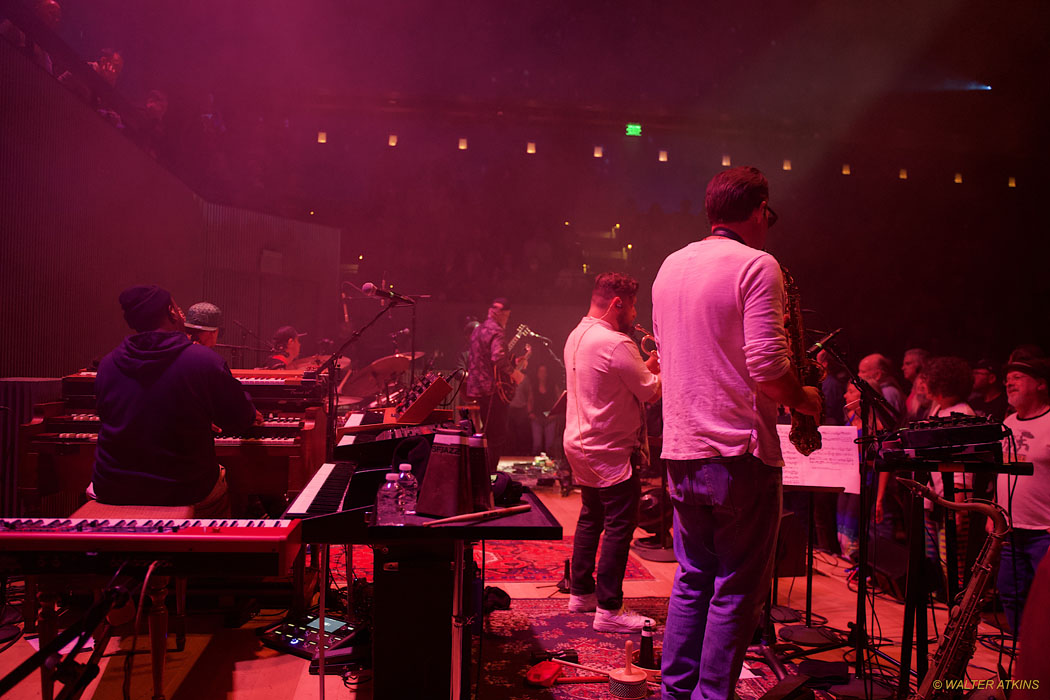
point(633, 129)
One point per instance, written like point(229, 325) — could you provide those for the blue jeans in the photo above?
point(1022, 551)
point(543, 432)
point(726, 517)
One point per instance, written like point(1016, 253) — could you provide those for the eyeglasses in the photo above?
point(771, 216)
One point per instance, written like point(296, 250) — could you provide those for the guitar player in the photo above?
point(491, 372)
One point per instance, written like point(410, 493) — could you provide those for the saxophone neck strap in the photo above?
point(727, 233)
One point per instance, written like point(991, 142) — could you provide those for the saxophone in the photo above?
point(960, 634)
point(804, 434)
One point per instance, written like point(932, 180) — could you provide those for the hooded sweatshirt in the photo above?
point(158, 395)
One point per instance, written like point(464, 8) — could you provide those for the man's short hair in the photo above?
point(609, 285)
point(734, 194)
point(951, 377)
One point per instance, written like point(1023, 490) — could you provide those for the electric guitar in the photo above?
point(507, 383)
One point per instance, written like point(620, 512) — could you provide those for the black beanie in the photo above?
point(145, 306)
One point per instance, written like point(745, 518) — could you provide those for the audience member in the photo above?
point(949, 380)
point(834, 389)
point(1025, 498)
point(544, 390)
point(50, 13)
point(877, 370)
point(153, 133)
point(917, 405)
point(989, 395)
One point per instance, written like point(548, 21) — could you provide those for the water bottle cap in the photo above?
point(405, 467)
point(391, 476)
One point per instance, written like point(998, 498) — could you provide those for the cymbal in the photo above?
point(391, 364)
point(374, 378)
point(317, 360)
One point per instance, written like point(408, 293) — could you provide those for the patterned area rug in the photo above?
point(512, 636)
point(506, 562)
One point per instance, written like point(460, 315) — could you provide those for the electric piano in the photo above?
point(203, 546)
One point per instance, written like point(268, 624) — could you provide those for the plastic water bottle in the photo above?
point(388, 507)
point(409, 490)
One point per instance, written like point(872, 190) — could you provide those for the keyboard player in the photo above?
point(158, 396)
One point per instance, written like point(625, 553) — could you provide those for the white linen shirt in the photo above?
point(606, 383)
point(718, 320)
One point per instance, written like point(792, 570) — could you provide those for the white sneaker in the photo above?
point(583, 603)
point(622, 621)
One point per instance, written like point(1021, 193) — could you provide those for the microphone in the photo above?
point(374, 291)
point(819, 345)
point(537, 336)
point(398, 334)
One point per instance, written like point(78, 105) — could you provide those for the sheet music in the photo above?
point(836, 463)
point(353, 418)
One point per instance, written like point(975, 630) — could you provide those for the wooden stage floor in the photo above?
point(230, 664)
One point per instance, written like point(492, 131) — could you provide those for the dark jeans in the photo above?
point(1022, 551)
point(614, 510)
point(494, 418)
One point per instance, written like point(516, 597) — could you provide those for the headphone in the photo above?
point(619, 304)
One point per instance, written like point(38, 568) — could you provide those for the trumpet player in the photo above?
point(606, 385)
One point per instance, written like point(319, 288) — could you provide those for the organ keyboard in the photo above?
point(270, 389)
point(272, 460)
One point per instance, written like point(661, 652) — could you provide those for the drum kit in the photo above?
point(379, 384)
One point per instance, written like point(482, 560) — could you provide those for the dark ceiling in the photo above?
point(905, 71)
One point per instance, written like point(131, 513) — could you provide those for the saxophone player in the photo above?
point(718, 319)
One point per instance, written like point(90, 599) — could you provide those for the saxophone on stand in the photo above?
point(959, 640)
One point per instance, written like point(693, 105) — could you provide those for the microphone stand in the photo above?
point(873, 407)
point(332, 365)
point(245, 332)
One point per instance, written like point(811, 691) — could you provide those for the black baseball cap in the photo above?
point(284, 334)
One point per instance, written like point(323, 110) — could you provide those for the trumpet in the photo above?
point(646, 335)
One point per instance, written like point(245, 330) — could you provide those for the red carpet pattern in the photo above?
point(512, 636)
point(515, 562)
